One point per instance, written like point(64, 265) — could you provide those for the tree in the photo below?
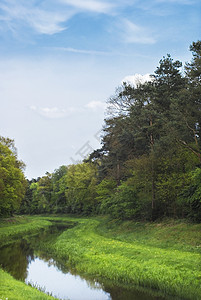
point(193, 69)
point(147, 125)
point(12, 180)
point(104, 191)
point(34, 207)
point(26, 203)
point(59, 187)
point(191, 194)
point(81, 188)
point(178, 99)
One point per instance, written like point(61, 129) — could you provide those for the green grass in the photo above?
point(175, 272)
point(15, 228)
point(164, 257)
point(173, 234)
point(11, 289)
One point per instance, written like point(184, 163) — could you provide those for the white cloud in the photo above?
point(47, 17)
point(90, 5)
point(33, 107)
point(43, 21)
point(137, 79)
point(52, 112)
point(46, 22)
point(58, 113)
point(81, 51)
point(132, 33)
point(95, 105)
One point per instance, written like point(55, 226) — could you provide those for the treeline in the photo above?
point(12, 180)
point(149, 165)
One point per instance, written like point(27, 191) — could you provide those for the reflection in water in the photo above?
point(19, 260)
point(63, 285)
point(15, 259)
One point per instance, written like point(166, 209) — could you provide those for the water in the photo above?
point(63, 285)
point(25, 262)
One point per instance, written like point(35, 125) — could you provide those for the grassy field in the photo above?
point(165, 256)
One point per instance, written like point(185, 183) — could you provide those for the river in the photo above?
point(25, 261)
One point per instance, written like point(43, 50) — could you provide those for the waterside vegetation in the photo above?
point(12, 229)
point(136, 253)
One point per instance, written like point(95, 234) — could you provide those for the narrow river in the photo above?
point(24, 261)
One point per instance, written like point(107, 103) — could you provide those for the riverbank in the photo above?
point(16, 227)
point(11, 289)
point(163, 256)
point(123, 255)
point(12, 229)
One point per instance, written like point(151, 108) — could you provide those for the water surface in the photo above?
point(26, 262)
point(63, 285)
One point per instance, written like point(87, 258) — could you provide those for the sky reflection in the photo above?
point(64, 286)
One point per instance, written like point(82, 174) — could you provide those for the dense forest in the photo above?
point(149, 165)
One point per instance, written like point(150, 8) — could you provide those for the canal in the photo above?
point(26, 261)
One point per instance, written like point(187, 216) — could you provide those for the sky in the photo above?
point(60, 60)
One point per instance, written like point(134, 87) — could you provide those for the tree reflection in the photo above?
point(15, 258)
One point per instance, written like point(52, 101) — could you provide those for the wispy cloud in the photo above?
point(83, 51)
point(90, 5)
point(28, 14)
point(163, 8)
point(47, 17)
point(53, 112)
point(46, 22)
point(132, 33)
point(96, 105)
point(93, 52)
point(59, 113)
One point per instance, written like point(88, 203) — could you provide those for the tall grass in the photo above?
point(11, 289)
point(172, 271)
point(15, 228)
point(164, 257)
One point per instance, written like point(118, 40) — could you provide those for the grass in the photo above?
point(11, 289)
point(121, 258)
point(10, 230)
point(15, 228)
point(164, 257)
point(173, 234)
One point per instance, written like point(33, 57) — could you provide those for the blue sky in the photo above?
point(61, 60)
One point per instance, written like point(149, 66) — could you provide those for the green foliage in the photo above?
point(125, 203)
point(35, 198)
point(152, 136)
point(172, 176)
point(81, 188)
point(193, 69)
point(12, 181)
point(192, 195)
point(59, 187)
point(105, 190)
